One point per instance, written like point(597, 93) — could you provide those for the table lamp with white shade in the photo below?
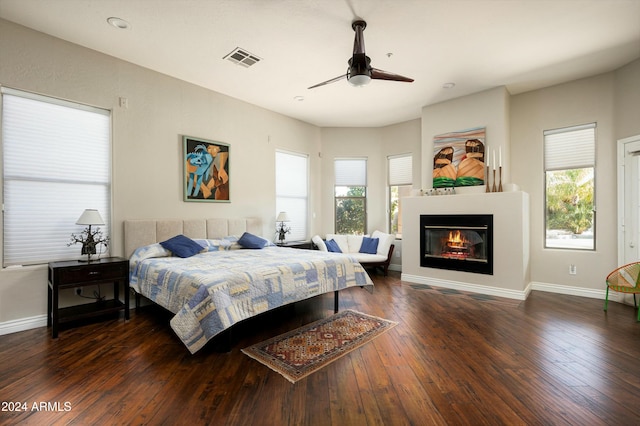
point(89, 238)
point(282, 229)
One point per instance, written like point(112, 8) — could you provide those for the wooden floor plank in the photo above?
point(454, 358)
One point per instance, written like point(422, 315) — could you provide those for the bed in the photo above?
point(224, 284)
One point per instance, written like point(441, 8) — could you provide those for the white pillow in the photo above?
point(384, 242)
point(319, 242)
point(341, 240)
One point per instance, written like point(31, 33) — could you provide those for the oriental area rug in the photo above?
point(300, 352)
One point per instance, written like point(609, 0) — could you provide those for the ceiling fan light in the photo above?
point(359, 80)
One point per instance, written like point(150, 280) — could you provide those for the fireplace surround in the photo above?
point(458, 242)
point(511, 257)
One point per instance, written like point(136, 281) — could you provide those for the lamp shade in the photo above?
point(283, 217)
point(90, 217)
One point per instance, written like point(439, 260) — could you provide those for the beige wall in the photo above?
point(612, 100)
point(583, 101)
point(627, 101)
point(345, 143)
point(376, 144)
point(147, 159)
point(403, 138)
point(147, 147)
point(516, 123)
point(489, 109)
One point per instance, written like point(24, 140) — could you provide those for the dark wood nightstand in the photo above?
point(306, 245)
point(74, 273)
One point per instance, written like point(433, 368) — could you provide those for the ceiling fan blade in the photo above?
point(377, 74)
point(333, 80)
point(358, 42)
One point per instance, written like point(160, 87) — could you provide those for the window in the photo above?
point(292, 192)
point(351, 196)
point(56, 164)
point(400, 184)
point(569, 162)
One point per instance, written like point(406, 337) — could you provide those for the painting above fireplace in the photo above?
point(459, 242)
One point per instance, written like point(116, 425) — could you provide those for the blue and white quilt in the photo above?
point(223, 285)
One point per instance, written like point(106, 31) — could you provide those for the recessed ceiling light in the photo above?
point(118, 23)
point(298, 98)
point(448, 85)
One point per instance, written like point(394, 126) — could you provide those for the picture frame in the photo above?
point(459, 158)
point(206, 170)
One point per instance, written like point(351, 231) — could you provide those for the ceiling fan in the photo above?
point(360, 71)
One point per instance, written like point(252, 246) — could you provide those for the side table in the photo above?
point(74, 273)
point(305, 245)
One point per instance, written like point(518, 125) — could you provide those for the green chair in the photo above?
point(625, 279)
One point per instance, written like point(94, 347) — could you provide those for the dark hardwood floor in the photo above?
point(454, 358)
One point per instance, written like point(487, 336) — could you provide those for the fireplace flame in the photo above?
point(456, 239)
point(456, 246)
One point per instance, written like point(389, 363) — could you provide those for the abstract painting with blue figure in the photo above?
point(206, 170)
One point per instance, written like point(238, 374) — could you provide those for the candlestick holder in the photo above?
point(488, 188)
point(493, 188)
point(500, 181)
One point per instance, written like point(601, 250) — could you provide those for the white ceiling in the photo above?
point(477, 44)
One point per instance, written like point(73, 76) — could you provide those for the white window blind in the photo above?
point(570, 147)
point(400, 170)
point(56, 164)
point(292, 192)
point(351, 172)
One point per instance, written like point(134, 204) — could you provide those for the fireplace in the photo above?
point(462, 242)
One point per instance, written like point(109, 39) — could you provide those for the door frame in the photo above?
point(621, 195)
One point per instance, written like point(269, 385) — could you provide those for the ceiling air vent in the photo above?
point(241, 57)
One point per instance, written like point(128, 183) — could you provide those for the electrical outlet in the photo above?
point(573, 270)
point(79, 291)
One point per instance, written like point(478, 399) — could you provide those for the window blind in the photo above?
point(570, 147)
point(351, 172)
point(292, 192)
point(400, 170)
point(56, 164)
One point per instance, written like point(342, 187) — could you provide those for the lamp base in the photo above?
point(88, 250)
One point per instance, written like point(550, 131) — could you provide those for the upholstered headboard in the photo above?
point(141, 232)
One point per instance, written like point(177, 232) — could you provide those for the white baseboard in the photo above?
point(520, 295)
point(23, 324)
point(582, 292)
point(572, 291)
point(473, 288)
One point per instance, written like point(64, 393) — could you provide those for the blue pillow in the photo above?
point(182, 246)
point(333, 246)
point(251, 241)
point(369, 245)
